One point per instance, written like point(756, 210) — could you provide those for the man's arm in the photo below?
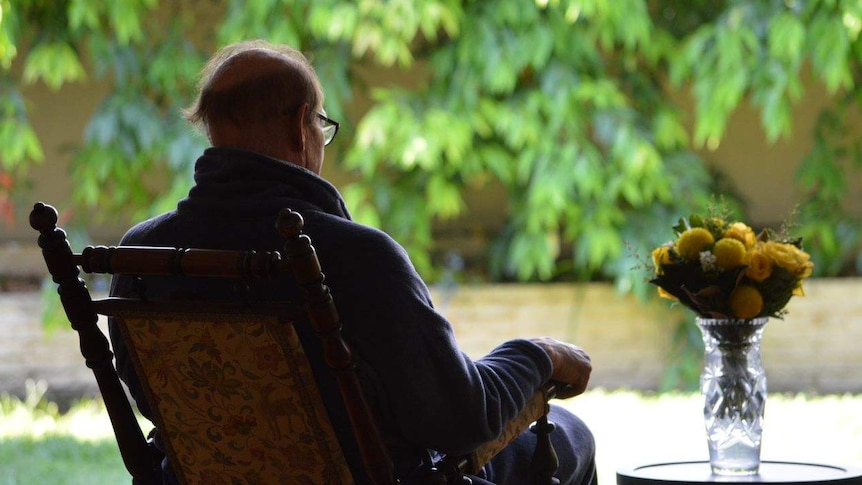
point(438, 396)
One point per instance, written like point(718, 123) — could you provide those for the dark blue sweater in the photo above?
point(430, 394)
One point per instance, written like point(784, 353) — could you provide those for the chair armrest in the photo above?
point(452, 468)
point(532, 412)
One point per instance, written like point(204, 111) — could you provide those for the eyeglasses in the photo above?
point(330, 128)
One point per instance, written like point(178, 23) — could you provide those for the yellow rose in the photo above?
point(660, 257)
point(692, 242)
point(796, 261)
point(729, 253)
point(746, 302)
point(742, 233)
point(759, 266)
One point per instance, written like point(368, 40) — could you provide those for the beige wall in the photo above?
point(59, 119)
point(815, 349)
point(764, 172)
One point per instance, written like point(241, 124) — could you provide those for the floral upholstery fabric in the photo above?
point(234, 399)
point(535, 409)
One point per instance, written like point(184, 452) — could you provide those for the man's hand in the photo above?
point(571, 364)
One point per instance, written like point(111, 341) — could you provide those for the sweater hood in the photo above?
point(238, 181)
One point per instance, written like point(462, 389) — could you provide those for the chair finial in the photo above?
point(289, 223)
point(43, 217)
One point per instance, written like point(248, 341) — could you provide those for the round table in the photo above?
point(772, 472)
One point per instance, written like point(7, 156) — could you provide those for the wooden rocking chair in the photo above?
point(229, 384)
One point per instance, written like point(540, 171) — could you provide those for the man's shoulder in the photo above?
point(333, 232)
point(329, 225)
point(143, 232)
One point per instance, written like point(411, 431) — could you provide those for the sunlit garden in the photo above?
point(38, 444)
point(509, 143)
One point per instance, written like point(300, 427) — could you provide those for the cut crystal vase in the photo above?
point(733, 385)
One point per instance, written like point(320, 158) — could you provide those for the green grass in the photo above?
point(39, 444)
point(60, 459)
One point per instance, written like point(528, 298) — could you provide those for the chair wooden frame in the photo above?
point(300, 260)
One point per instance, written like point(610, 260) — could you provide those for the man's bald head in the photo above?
point(248, 85)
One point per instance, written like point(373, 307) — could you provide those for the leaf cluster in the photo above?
point(564, 104)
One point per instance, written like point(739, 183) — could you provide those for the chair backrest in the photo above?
point(229, 383)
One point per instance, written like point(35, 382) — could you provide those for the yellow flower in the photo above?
point(746, 302)
point(660, 257)
point(741, 232)
point(692, 242)
point(796, 261)
point(759, 266)
point(729, 253)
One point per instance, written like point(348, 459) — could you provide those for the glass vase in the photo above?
point(733, 385)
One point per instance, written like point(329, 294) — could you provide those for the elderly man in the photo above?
point(261, 106)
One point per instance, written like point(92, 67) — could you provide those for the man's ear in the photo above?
point(296, 128)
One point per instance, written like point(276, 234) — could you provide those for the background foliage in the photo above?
point(570, 105)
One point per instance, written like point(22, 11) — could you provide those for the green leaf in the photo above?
point(598, 245)
point(8, 40)
point(532, 255)
point(669, 133)
point(18, 144)
point(829, 47)
point(125, 16)
point(443, 198)
point(786, 38)
point(361, 209)
point(55, 63)
point(498, 162)
point(83, 14)
point(334, 23)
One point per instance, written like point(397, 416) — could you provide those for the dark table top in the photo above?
point(771, 472)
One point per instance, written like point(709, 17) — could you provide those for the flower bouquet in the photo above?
point(734, 281)
point(721, 269)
